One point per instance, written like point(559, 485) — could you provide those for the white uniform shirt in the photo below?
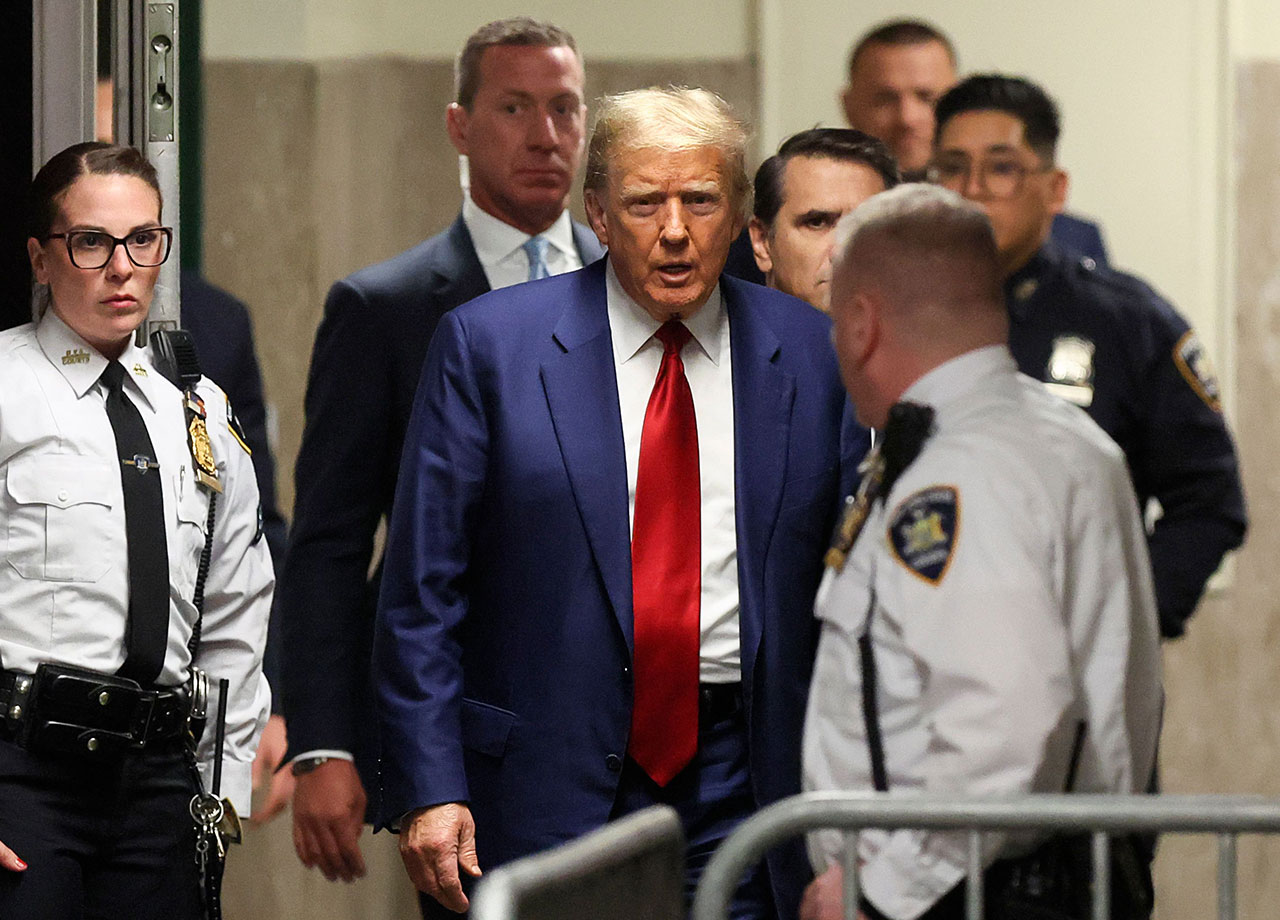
point(500, 246)
point(1012, 601)
point(64, 581)
point(708, 366)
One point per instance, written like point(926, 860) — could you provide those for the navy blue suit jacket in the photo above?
point(223, 334)
point(364, 371)
point(504, 636)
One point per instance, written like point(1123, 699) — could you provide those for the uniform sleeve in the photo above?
point(1188, 463)
point(417, 652)
point(237, 608)
point(970, 593)
point(341, 491)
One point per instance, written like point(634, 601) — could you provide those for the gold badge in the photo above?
point(139, 370)
point(79, 356)
point(1069, 373)
point(202, 452)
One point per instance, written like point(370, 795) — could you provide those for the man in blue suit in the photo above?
point(617, 489)
point(520, 120)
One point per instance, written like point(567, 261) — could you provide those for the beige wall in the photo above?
point(326, 152)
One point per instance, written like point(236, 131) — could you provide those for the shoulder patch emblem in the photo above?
point(923, 530)
point(1194, 365)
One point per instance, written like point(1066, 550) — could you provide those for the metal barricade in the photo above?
point(1101, 815)
point(631, 869)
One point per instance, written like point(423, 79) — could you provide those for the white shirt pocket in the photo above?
point(58, 513)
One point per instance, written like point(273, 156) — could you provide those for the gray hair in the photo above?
point(672, 119)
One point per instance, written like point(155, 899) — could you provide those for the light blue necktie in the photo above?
point(536, 249)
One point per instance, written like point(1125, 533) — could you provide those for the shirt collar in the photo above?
point(632, 327)
point(953, 381)
point(496, 240)
point(82, 364)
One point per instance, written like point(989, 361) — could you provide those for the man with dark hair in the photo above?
point(1100, 339)
point(897, 73)
point(801, 192)
point(519, 119)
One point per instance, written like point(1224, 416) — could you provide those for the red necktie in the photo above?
point(666, 572)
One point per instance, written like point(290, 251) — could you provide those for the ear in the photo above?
point(760, 245)
point(595, 215)
point(846, 103)
point(456, 121)
point(1058, 186)
point(39, 261)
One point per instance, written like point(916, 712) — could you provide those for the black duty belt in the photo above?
point(66, 710)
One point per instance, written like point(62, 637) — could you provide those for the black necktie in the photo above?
point(147, 632)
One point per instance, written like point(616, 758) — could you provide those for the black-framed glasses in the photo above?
point(90, 249)
point(1002, 178)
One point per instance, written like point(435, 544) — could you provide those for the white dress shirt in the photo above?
point(64, 582)
point(708, 366)
point(500, 246)
point(1010, 600)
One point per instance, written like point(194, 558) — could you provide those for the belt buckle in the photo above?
point(144, 709)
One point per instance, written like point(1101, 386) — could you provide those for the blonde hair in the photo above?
point(672, 118)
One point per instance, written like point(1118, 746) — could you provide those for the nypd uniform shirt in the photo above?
point(1007, 591)
point(64, 571)
point(1108, 343)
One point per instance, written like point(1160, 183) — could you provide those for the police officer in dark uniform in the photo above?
point(1098, 338)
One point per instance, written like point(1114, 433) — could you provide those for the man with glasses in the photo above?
point(1098, 338)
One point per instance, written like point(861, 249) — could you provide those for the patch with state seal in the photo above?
point(1194, 365)
point(923, 531)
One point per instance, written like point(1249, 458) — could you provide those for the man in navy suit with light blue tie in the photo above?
point(616, 492)
point(519, 118)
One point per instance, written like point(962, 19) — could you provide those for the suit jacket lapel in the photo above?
point(763, 395)
point(459, 266)
point(581, 386)
point(589, 249)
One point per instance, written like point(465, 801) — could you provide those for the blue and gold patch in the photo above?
point(923, 529)
point(237, 430)
point(1196, 368)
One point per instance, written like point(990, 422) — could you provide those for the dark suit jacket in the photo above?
point(223, 334)
point(504, 638)
point(364, 371)
point(1083, 237)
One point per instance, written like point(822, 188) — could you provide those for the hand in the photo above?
point(328, 816)
point(275, 741)
point(824, 898)
point(434, 842)
point(9, 860)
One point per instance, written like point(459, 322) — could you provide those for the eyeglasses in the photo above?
point(1000, 178)
point(91, 249)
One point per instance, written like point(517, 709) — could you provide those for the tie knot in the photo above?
point(673, 335)
point(113, 376)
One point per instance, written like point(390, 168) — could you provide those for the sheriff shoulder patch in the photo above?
point(1194, 365)
point(923, 530)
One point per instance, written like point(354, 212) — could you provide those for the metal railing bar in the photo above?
point(1049, 813)
point(850, 880)
point(973, 893)
point(1101, 876)
point(1227, 876)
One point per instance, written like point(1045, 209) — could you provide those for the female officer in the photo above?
point(107, 471)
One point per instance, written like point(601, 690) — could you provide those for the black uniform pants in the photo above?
point(100, 840)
